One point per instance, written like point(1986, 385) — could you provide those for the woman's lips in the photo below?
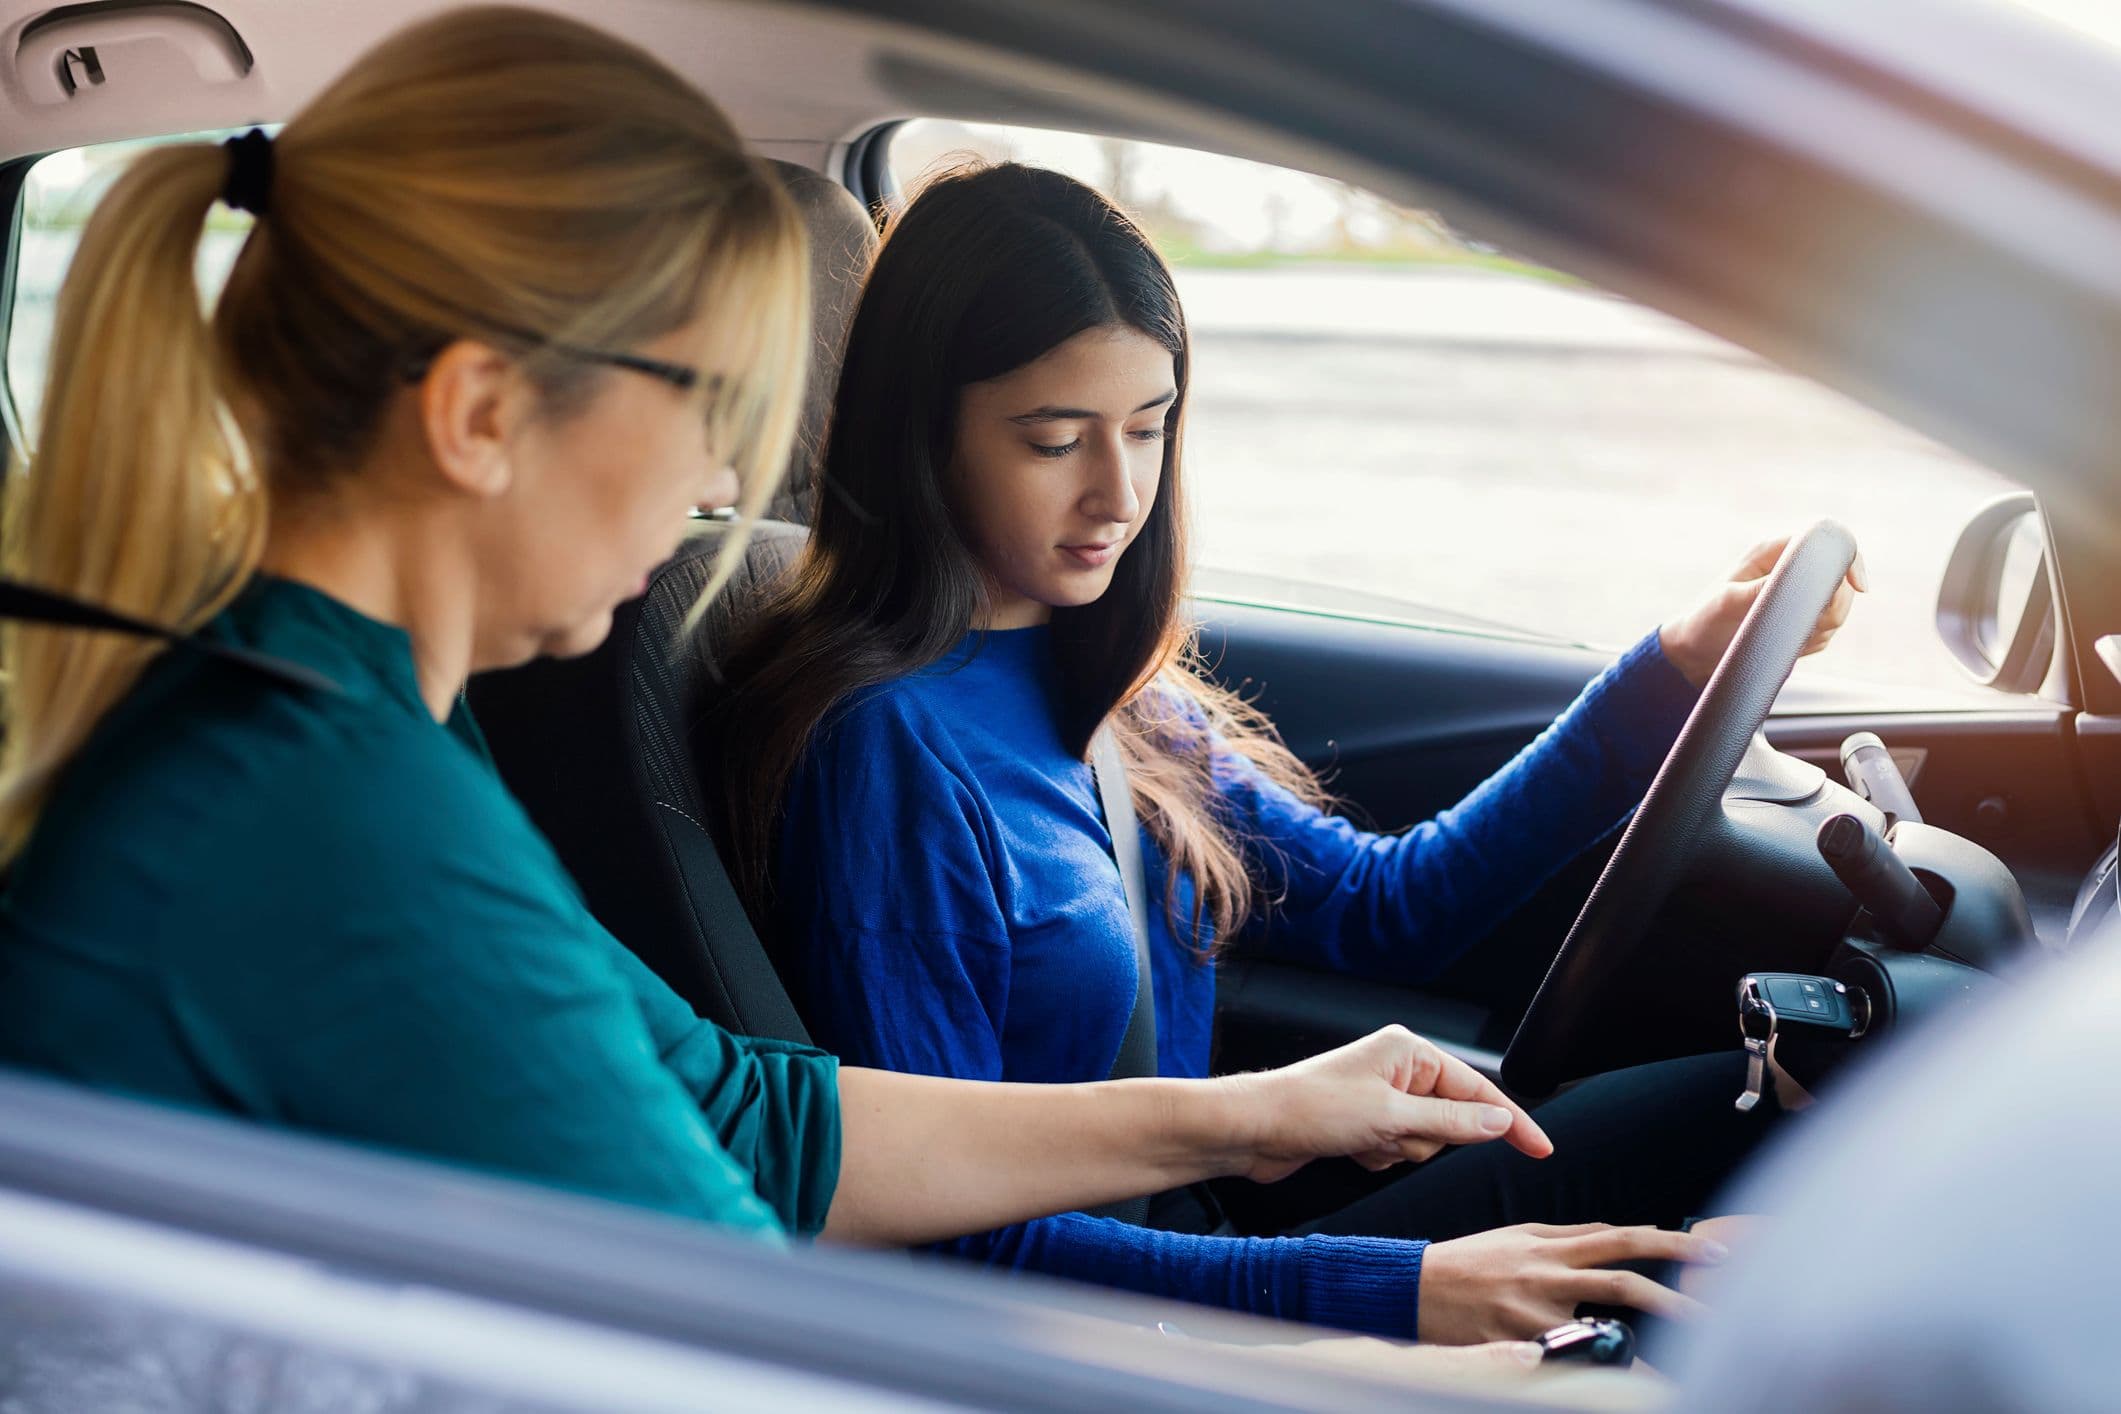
point(1091, 557)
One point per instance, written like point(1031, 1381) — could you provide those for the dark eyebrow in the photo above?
point(1053, 414)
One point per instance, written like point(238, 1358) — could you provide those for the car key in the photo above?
point(1590, 1340)
point(1772, 1003)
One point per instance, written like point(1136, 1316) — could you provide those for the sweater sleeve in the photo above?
point(773, 1106)
point(1402, 907)
point(904, 953)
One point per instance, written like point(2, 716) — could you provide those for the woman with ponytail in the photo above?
point(993, 584)
point(515, 301)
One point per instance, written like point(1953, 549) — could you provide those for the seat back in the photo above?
point(842, 240)
point(600, 749)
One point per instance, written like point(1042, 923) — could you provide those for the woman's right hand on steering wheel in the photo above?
point(1389, 1098)
point(1511, 1283)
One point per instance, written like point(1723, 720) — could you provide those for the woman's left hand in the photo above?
point(1695, 643)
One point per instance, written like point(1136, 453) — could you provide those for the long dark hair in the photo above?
point(987, 270)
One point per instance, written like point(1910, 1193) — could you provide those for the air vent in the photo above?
point(79, 51)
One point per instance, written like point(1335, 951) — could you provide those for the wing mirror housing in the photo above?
point(1996, 607)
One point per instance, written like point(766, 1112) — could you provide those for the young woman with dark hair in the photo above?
point(995, 576)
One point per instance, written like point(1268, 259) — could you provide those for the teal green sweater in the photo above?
point(324, 911)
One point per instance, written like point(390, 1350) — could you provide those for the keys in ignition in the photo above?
point(1756, 1023)
point(1806, 1005)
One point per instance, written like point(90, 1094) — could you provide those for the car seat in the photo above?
point(596, 748)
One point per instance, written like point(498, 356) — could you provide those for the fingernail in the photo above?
point(1528, 1352)
point(1714, 1251)
point(1495, 1119)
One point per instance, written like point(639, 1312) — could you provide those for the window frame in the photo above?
point(14, 181)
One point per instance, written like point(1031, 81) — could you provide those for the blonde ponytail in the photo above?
point(137, 496)
point(504, 175)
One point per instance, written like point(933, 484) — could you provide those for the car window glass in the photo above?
point(60, 192)
point(1389, 417)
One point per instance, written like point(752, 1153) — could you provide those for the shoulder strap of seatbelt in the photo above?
point(1137, 1048)
point(23, 603)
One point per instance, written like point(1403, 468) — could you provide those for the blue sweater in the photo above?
point(946, 886)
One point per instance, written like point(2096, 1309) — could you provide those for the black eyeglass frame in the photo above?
point(678, 375)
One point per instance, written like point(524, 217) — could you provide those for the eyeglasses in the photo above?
point(677, 375)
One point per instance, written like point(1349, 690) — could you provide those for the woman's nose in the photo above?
point(1111, 495)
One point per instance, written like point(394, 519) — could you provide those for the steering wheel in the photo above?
point(1586, 996)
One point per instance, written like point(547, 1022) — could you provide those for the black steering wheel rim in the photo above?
point(1554, 1040)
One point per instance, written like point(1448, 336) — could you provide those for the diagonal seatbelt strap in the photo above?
point(27, 604)
point(1137, 1049)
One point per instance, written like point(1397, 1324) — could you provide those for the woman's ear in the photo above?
point(471, 405)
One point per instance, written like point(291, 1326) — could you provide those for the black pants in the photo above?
point(1651, 1144)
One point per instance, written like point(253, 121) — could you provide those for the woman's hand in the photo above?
point(1514, 1282)
point(1386, 1099)
point(923, 1158)
point(1695, 643)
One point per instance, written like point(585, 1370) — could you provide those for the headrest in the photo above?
point(842, 240)
point(676, 587)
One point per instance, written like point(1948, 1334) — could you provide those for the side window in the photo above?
point(60, 192)
point(1389, 418)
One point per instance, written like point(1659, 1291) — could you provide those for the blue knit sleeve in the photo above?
point(1402, 907)
point(888, 904)
point(1363, 1284)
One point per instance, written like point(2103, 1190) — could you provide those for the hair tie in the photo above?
point(249, 182)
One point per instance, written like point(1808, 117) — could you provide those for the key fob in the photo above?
point(1592, 1340)
point(1811, 1016)
point(1799, 999)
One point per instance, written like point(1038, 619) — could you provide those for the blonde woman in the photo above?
point(515, 300)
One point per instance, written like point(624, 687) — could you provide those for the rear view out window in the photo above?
point(56, 200)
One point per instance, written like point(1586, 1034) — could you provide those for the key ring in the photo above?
point(1755, 1013)
point(1756, 1023)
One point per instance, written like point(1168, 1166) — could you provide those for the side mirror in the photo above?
point(1996, 608)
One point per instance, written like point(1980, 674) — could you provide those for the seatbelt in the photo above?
point(1137, 1048)
point(23, 603)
